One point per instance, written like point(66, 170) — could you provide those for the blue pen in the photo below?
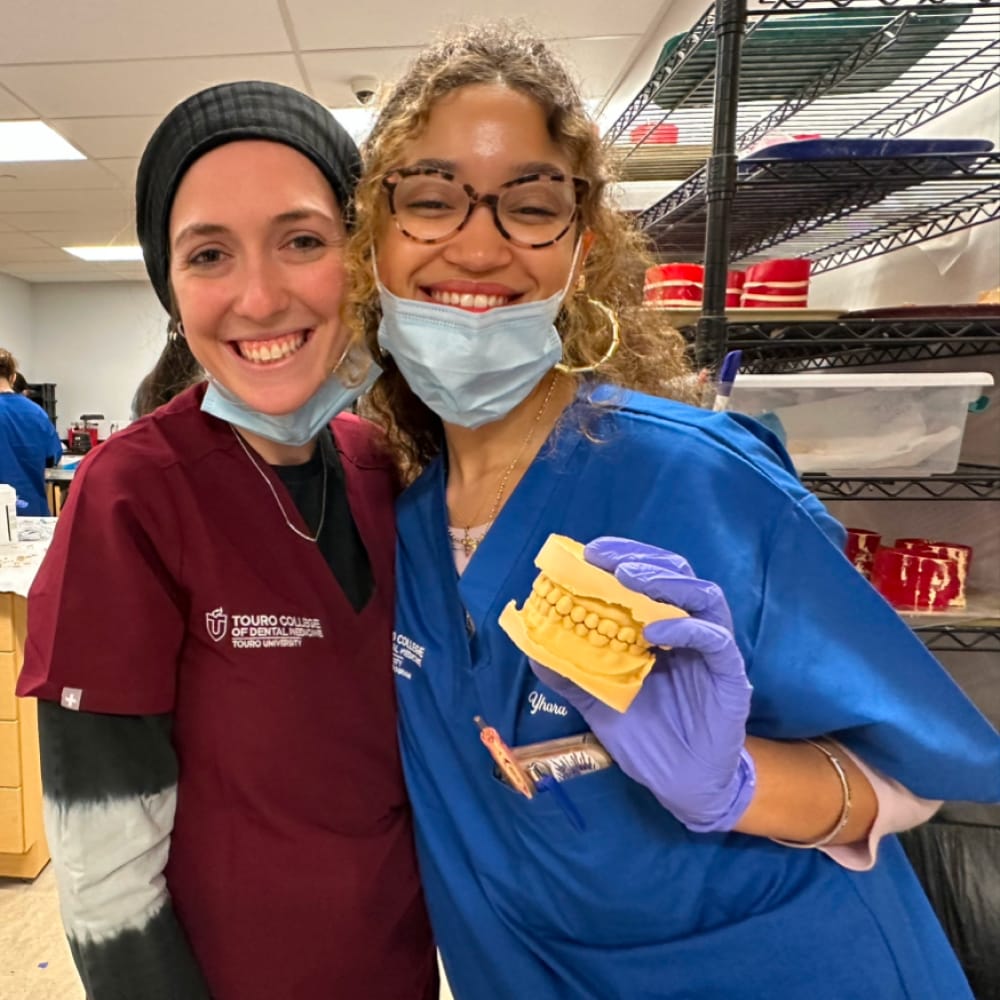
point(727, 376)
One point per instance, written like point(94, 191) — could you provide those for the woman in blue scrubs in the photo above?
point(730, 850)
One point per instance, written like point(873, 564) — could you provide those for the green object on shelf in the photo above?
point(785, 56)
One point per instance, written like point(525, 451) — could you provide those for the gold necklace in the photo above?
point(466, 541)
point(274, 493)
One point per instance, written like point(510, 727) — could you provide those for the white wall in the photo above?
point(95, 341)
point(16, 322)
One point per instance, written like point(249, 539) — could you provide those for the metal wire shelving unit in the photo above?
point(808, 67)
point(835, 212)
point(881, 74)
point(967, 483)
point(773, 347)
point(839, 70)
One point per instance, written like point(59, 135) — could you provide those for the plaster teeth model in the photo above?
point(582, 623)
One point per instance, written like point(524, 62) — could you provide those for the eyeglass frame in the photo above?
point(580, 188)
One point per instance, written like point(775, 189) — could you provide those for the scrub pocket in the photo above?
point(562, 759)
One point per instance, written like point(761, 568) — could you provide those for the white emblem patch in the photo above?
point(71, 698)
point(217, 623)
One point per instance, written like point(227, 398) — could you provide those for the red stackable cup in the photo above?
point(860, 548)
point(664, 134)
point(734, 289)
point(910, 581)
point(962, 554)
point(678, 285)
point(777, 284)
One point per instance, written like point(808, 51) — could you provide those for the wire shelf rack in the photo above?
point(968, 483)
point(967, 638)
point(833, 211)
point(874, 72)
point(773, 347)
point(799, 4)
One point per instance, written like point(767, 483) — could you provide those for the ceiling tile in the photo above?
point(66, 228)
point(330, 72)
point(319, 24)
point(61, 31)
point(70, 271)
point(32, 255)
point(10, 107)
point(15, 241)
point(102, 138)
point(70, 175)
point(124, 169)
point(64, 201)
point(90, 90)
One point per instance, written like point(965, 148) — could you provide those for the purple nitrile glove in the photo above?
point(683, 735)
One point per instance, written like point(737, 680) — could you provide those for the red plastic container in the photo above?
point(860, 547)
point(910, 581)
point(777, 284)
point(677, 285)
point(962, 554)
point(663, 134)
point(734, 289)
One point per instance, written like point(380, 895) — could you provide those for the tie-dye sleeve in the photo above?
point(110, 786)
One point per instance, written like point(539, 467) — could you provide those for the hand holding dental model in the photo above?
point(682, 734)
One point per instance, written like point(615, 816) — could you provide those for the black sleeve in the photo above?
point(103, 775)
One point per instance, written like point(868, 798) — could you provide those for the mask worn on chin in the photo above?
point(471, 368)
point(298, 427)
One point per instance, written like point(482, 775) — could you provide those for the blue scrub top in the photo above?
point(27, 440)
point(633, 906)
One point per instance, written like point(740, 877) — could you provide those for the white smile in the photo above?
point(263, 352)
point(466, 300)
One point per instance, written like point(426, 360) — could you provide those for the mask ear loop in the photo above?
point(608, 354)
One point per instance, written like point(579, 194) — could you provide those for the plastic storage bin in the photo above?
point(848, 424)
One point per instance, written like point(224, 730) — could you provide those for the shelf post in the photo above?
point(720, 181)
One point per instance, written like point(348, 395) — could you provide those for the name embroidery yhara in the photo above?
point(539, 703)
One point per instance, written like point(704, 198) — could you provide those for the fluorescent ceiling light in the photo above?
point(24, 142)
point(106, 253)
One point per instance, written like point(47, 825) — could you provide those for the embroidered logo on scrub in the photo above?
point(261, 630)
point(217, 623)
point(404, 650)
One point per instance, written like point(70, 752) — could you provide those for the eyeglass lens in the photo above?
point(431, 207)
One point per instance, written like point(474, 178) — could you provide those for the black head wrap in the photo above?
point(227, 113)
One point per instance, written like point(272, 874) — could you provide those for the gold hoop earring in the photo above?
point(608, 354)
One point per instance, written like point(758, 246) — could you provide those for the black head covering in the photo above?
point(227, 113)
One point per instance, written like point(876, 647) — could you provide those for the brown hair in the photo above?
point(651, 357)
point(176, 368)
point(8, 364)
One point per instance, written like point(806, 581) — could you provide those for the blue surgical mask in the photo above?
point(471, 368)
point(298, 427)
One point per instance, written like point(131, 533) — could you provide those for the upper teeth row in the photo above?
point(468, 301)
point(548, 600)
point(271, 350)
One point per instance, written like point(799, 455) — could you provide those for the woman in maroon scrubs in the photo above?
point(210, 633)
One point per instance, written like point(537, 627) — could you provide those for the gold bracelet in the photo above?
point(845, 808)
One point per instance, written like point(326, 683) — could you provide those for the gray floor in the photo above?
point(35, 963)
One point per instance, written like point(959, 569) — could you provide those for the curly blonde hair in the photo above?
point(651, 357)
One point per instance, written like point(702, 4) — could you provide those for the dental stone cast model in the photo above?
point(582, 623)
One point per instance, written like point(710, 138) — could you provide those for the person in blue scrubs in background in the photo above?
point(741, 844)
point(29, 443)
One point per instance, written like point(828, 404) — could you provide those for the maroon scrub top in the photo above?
point(173, 585)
